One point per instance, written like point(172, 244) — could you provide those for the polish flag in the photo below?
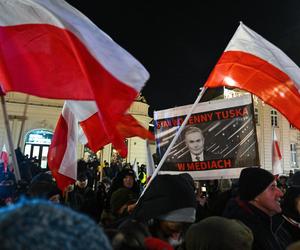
point(62, 155)
point(4, 157)
point(49, 49)
point(276, 156)
point(253, 64)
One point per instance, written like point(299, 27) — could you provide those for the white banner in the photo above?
point(218, 141)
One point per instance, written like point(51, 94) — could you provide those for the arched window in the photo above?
point(37, 142)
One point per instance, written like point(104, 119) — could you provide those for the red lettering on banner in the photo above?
point(232, 113)
point(180, 166)
point(204, 165)
point(200, 118)
point(190, 166)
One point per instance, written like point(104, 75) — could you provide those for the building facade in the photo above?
point(32, 121)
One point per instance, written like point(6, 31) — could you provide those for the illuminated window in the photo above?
point(293, 155)
point(37, 142)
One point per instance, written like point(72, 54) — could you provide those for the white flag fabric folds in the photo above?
point(276, 155)
point(253, 64)
point(50, 49)
point(79, 121)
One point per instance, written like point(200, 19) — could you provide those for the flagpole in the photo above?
point(174, 140)
point(23, 121)
point(10, 142)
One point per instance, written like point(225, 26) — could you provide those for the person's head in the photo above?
point(170, 203)
point(259, 187)
point(128, 181)
point(45, 225)
point(130, 234)
point(282, 179)
point(215, 233)
point(44, 186)
point(128, 177)
point(194, 140)
point(291, 203)
point(82, 180)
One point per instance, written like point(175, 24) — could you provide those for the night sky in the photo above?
point(179, 42)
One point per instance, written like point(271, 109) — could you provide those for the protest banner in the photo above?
point(218, 141)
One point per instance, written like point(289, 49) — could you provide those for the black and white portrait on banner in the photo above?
point(218, 140)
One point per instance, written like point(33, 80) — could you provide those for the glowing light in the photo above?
point(229, 81)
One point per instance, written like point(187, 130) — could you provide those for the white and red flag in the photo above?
point(62, 156)
point(4, 157)
point(276, 156)
point(251, 63)
point(49, 49)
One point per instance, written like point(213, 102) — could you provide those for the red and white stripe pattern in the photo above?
point(50, 49)
point(62, 156)
point(4, 157)
point(253, 64)
point(276, 156)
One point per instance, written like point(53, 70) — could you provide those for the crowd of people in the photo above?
point(104, 209)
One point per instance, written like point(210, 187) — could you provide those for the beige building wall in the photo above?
point(44, 113)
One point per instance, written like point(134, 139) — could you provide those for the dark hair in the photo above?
point(289, 203)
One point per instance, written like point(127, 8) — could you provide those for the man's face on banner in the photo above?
point(195, 142)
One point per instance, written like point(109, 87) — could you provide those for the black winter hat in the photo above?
point(166, 194)
point(126, 172)
point(253, 181)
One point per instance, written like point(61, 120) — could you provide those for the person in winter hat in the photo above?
point(126, 178)
point(231, 235)
point(42, 225)
point(43, 186)
point(257, 204)
point(168, 206)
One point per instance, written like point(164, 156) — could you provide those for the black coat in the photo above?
point(268, 233)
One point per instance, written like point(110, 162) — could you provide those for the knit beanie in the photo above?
point(168, 197)
point(253, 181)
point(42, 225)
point(43, 186)
point(121, 197)
point(231, 235)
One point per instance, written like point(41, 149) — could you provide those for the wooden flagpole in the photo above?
point(10, 142)
point(23, 121)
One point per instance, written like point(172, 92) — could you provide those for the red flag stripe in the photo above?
point(49, 49)
point(255, 75)
point(277, 150)
point(57, 152)
point(127, 126)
